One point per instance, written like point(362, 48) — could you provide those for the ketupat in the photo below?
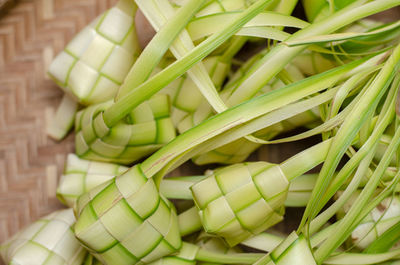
point(135, 190)
point(134, 200)
point(96, 128)
point(94, 64)
point(48, 241)
point(143, 131)
point(80, 176)
point(242, 200)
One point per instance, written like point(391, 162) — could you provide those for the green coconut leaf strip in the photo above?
point(349, 221)
point(264, 32)
point(367, 152)
point(318, 238)
point(241, 114)
point(347, 87)
point(383, 121)
point(349, 129)
point(293, 250)
point(217, 6)
point(301, 162)
point(179, 48)
point(178, 188)
point(246, 129)
point(185, 256)
point(63, 121)
point(293, 109)
point(300, 190)
point(207, 25)
point(322, 50)
point(385, 241)
point(157, 47)
point(381, 200)
point(341, 36)
point(264, 241)
point(362, 258)
point(190, 252)
point(286, 6)
point(314, 7)
point(324, 127)
point(278, 57)
point(157, 82)
point(369, 43)
point(322, 218)
point(189, 222)
point(231, 258)
point(328, 125)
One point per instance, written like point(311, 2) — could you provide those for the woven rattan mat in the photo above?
point(31, 34)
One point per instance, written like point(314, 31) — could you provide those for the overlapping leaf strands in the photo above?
point(80, 176)
point(48, 241)
point(150, 226)
point(94, 64)
point(143, 131)
point(184, 94)
point(238, 151)
point(381, 219)
point(241, 200)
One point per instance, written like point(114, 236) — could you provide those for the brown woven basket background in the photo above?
point(31, 34)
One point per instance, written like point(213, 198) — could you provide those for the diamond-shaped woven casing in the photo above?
point(48, 241)
point(241, 200)
point(147, 128)
point(127, 221)
point(95, 62)
point(80, 176)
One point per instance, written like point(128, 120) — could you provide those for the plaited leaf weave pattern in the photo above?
point(95, 62)
point(114, 217)
point(147, 128)
point(241, 200)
